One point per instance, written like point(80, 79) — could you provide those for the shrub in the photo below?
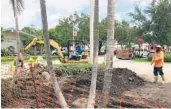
point(5, 52)
point(74, 69)
point(167, 57)
point(11, 50)
point(30, 52)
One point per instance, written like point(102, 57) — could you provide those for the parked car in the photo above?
point(54, 52)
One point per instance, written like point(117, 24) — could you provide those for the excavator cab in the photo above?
point(76, 51)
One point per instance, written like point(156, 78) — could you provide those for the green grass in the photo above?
point(9, 59)
point(167, 59)
point(140, 60)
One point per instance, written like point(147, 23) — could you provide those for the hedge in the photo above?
point(167, 57)
point(74, 69)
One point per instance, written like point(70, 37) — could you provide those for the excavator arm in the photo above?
point(52, 43)
point(56, 46)
point(33, 42)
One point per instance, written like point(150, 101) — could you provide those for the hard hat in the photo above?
point(158, 46)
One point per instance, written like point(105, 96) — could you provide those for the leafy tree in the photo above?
point(125, 34)
point(102, 33)
point(156, 28)
point(84, 27)
point(29, 30)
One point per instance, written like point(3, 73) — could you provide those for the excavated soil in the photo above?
point(122, 80)
point(73, 88)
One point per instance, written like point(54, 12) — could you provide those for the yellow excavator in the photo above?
point(81, 58)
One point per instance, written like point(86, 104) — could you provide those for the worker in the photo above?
point(21, 58)
point(158, 61)
point(78, 49)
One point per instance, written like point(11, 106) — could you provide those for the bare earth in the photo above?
point(158, 91)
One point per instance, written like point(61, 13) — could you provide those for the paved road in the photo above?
point(143, 69)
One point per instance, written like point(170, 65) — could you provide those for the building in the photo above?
point(10, 38)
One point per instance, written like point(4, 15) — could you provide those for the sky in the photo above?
point(57, 9)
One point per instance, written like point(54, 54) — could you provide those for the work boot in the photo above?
point(155, 79)
point(163, 78)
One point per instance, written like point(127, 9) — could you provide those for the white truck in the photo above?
point(144, 51)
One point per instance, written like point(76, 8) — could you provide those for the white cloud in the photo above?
point(141, 2)
point(56, 9)
point(118, 17)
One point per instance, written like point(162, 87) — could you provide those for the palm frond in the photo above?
point(20, 6)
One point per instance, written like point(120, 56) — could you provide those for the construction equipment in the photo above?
point(82, 58)
point(124, 54)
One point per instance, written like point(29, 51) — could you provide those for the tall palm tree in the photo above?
point(91, 29)
point(18, 6)
point(91, 99)
point(48, 57)
point(109, 57)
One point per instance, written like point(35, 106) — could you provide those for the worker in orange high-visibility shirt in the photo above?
point(158, 61)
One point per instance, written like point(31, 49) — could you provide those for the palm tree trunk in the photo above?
point(17, 31)
point(41, 49)
point(49, 58)
point(109, 57)
point(91, 30)
point(91, 99)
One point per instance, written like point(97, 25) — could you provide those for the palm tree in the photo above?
point(48, 57)
point(109, 58)
point(91, 99)
point(18, 6)
point(91, 29)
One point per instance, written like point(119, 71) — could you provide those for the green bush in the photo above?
point(167, 57)
point(74, 69)
point(30, 52)
point(11, 50)
point(5, 52)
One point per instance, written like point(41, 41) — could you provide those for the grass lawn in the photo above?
point(167, 59)
point(9, 59)
point(141, 60)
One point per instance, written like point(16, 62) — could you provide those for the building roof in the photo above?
point(21, 32)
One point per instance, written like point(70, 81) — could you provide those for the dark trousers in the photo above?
point(158, 70)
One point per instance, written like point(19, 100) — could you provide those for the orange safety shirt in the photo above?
point(158, 59)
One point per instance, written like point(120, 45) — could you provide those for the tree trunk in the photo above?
point(35, 50)
point(17, 31)
point(92, 3)
point(41, 49)
point(109, 57)
point(56, 87)
point(91, 99)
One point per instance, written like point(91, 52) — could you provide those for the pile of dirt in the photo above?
point(122, 80)
point(25, 86)
point(33, 86)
